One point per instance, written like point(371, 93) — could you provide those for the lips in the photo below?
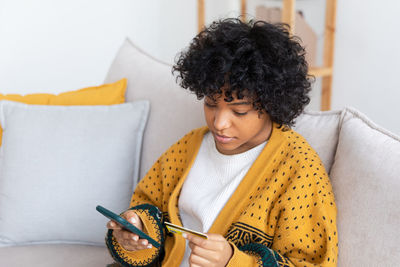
point(222, 138)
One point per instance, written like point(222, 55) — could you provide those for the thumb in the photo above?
point(133, 218)
point(215, 237)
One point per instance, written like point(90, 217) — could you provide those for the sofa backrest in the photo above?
point(363, 161)
point(365, 177)
point(173, 110)
point(321, 130)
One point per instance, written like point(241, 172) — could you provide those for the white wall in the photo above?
point(55, 46)
point(367, 60)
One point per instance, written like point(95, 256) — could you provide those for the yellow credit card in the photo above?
point(176, 229)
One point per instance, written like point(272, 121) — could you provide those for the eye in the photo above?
point(240, 113)
point(209, 105)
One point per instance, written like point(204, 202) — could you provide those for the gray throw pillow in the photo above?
point(58, 162)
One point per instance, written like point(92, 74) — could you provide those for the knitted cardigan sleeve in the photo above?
point(145, 203)
point(151, 218)
point(150, 202)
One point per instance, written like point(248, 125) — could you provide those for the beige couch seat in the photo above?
point(54, 255)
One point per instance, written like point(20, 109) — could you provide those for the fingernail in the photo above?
point(144, 242)
point(149, 246)
point(136, 238)
point(184, 235)
point(111, 224)
point(133, 220)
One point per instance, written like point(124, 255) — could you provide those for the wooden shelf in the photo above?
point(200, 15)
point(289, 13)
point(320, 71)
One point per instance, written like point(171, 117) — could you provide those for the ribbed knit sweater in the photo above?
point(210, 182)
point(282, 213)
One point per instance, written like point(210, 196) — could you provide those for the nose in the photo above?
point(222, 120)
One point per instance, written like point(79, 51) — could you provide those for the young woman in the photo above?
point(255, 186)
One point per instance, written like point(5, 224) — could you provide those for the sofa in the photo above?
point(362, 160)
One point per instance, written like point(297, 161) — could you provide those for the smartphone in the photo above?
point(126, 225)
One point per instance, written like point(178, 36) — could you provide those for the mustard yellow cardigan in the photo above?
point(283, 212)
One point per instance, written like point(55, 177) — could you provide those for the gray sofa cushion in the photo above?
point(366, 182)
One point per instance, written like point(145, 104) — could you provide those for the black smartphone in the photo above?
point(126, 225)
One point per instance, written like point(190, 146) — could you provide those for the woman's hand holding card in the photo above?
point(215, 251)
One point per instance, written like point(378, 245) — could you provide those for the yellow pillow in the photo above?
point(107, 94)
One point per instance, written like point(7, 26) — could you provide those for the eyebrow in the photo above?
point(239, 103)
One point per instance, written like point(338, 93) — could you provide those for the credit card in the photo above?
point(176, 229)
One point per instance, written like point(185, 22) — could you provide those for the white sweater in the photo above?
point(211, 181)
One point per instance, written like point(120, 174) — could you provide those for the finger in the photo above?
point(120, 237)
point(215, 237)
point(135, 244)
point(133, 247)
point(128, 235)
point(143, 242)
point(139, 242)
point(113, 225)
point(201, 252)
point(135, 237)
point(195, 239)
point(118, 234)
point(215, 244)
point(128, 240)
point(125, 236)
point(195, 260)
point(129, 247)
point(133, 218)
point(139, 245)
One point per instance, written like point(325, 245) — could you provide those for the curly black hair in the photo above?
point(256, 59)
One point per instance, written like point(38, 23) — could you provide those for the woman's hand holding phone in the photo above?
point(127, 239)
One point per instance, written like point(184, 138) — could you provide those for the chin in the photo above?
point(226, 149)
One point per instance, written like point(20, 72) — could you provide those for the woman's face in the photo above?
point(236, 125)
